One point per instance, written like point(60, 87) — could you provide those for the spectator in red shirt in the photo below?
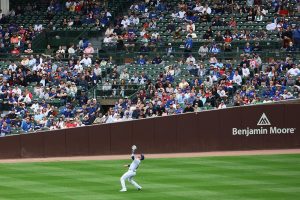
point(70, 123)
point(15, 51)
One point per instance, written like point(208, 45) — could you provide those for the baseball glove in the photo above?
point(133, 147)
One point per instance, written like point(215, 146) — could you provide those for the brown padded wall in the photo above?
point(189, 141)
point(32, 145)
point(165, 134)
point(77, 141)
point(204, 131)
point(55, 144)
point(121, 139)
point(143, 136)
point(10, 147)
point(99, 139)
point(208, 126)
point(229, 118)
point(291, 119)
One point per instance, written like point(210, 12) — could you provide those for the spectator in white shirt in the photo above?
point(12, 66)
point(38, 27)
point(207, 9)
point(237, 79)
point(78, 67)
point(203, 50)
point(125, 22)
point(68, 4)
point(35, 106)
point(124, 75)
point(198, 8)
point(245, 71)
point(32, 62)
point(98, 72)
point(17, 91)
point(107, 86)
point(294, 71)
point(136, 20)
point(107, 40)
point(86, 61)
point(108, 14)
point(259, 17)
point(181, 14)
point(190, 59)
point(71, 50)
point(221, 92)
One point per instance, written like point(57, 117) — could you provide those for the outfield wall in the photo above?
point(214, 130)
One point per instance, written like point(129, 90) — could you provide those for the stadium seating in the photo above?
point(273, 75)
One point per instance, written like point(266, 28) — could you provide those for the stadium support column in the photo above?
point(4, 6)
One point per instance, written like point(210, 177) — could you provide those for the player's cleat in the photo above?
point(140, 188)
point(123, 190)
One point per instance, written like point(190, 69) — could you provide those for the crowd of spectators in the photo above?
point(219, 85)
point(141, 24)
point(93, 12)
point(30, 88)
point(16, 38)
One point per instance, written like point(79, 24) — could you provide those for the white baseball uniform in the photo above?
point(131, 173)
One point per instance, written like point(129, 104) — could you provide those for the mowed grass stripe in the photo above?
point(238, 177)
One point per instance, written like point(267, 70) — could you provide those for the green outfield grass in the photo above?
point(217, 178)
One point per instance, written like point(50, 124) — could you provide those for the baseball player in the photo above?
point(132, 171)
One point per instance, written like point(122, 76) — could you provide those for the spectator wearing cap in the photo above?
point(170, 50)
point(27, 125)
